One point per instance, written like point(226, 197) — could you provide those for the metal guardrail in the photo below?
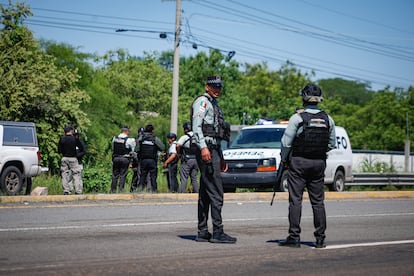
point(382, 179)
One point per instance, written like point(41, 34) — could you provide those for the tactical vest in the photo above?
point(148, 148)
point(312, 143)
point(120, 148)
point(219, 129)
point(191, 150)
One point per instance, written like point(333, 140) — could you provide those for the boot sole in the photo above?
point(221, 241)
point(201, 240)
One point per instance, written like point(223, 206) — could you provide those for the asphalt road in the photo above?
point(144, 236)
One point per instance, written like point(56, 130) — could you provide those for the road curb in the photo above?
point(168, 197)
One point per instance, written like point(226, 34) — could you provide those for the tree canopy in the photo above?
point(55, 84)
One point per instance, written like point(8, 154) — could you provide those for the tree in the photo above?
point(193, 73)
point(380, 125)
point(351, 92)
point(71, 58)
point(143, 82)
point(33, 88)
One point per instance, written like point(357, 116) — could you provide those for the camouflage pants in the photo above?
point(71, 169)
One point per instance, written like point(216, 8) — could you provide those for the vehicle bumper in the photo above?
point(35, 170)
point(251, 180)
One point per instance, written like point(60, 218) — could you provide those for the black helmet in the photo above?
point(311, 93)
point(187, 125)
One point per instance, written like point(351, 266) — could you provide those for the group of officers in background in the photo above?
point(142, 153)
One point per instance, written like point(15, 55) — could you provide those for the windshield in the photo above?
point(258, 138)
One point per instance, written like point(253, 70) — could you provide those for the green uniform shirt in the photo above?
point(203, 112)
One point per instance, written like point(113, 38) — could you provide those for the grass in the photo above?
point(94, 181)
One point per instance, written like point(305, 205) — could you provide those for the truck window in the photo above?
point(258, 138)
point(19, 136)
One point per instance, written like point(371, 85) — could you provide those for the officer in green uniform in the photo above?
point(209, 129)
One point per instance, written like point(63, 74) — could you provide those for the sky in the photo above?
point(370, 41)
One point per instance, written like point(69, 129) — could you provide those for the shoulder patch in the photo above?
point(202, 106)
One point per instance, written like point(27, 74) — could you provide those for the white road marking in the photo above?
point(42, 228)
point(117, 225)
point(340, 246)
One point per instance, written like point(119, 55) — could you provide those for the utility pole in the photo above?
point(407, 148)
point(176, 69)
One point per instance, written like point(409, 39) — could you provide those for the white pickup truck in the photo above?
point(253, 157)
point(19, 156)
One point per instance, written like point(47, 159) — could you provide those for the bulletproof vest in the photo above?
point(312, 143)
point(192, 148)
point(148, 148)
point(219, 129)
point(120, 146)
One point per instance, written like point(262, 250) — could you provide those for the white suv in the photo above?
point(19, 156)
point(253, 157)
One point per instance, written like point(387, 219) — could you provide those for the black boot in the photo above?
point(320, 243)
point(203, 236)
point(290, 242)
point(221, 237)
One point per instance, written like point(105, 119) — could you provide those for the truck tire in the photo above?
point(11, 181)
point(338, 184)
point(283, 184)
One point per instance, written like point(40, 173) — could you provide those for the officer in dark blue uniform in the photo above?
point(209, 130)
point(122, 151)
point(308, 137)
point(148, 146)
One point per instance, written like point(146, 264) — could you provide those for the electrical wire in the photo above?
point(243, 48)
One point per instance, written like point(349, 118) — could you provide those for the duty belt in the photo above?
point(213, 146)
point(125, 155)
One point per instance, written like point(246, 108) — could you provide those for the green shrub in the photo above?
point(97, 179)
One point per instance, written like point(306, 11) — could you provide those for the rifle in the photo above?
point(285, 156)
point(279, 173)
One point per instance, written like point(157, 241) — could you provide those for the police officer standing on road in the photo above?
point(187, 149)
point(122, 153)
point(308, 137)
point(209, 129)
point(171, 163)
point(70, 167)
point(148, 147)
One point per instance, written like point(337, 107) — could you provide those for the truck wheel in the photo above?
point(11, 181)
point(339, 182)
point(283, 184)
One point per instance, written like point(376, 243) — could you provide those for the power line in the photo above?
point(104, 16)
point(326, 35)
point(243, 48)
point(271, 56)
point(355, 17)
